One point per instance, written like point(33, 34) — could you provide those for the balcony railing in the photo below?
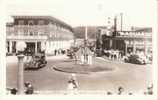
point(22, 37)
point(134, 34)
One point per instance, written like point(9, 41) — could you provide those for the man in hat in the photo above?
point(29, 88)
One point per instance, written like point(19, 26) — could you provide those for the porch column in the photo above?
point(111, 43)
point(35, 47)
point(134, 46)
point(146, 48)
point(10, 46)
point(7, 46)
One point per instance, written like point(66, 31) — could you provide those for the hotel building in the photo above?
point(133, 41)
point(39, 33)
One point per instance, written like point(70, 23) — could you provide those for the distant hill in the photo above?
point(79, 32)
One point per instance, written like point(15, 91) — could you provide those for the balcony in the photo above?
point(135, 35)
point(22, 37)
point(31, 27)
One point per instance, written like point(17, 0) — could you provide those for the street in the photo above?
point(133, 78)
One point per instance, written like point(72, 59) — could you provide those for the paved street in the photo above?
point(134, 78)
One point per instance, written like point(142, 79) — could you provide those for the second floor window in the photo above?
point(21, 22)
point(40, 22)
point(30, 22)
point(31, 33)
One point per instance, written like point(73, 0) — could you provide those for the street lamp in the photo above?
point(20, 82)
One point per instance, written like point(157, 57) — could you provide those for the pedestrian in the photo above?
point(73, 84)
point(55, 52)
point(120, 90)
point(70, 87)
point(109, 93)
point(13, 91)
point(29, 88)
point(150, 89)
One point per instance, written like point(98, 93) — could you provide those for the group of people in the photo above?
point(113, 54)
point(149, 91)
point(29, 89)
point(59, 52)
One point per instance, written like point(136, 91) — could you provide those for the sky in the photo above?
point(87, 12)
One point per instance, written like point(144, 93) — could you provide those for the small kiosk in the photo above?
point(84, 56)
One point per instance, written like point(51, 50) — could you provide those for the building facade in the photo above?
point(134, 41)
point(39, 33)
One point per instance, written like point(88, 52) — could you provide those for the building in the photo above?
point(134, 41)
point(39, 33)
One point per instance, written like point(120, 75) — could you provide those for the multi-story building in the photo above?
point(134, 41)
point(38, 32)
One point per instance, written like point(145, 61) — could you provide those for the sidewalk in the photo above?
point(14, 59)
point(110, 60)
point(11, 59)
point(57, 57)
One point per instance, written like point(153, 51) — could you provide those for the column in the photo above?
point(134, 47)
point(10, 47)
point(20, 81)
point(7, 47)
point(47, 47)
point(16, 46)
point(82, 59)
point(146, 48)
point(89, 59)
point(110, 43)
point(35, 47)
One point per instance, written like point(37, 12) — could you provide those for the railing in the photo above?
point(27, 37)
point(39, 27)
point(134, 34)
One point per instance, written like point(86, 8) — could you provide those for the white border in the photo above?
point(3, 95)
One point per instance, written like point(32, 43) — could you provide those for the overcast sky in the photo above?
point(87, 12)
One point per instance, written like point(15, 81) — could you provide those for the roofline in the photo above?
point(44, 17)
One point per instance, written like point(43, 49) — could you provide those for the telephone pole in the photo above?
point(121, 14)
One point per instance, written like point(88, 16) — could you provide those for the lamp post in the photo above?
point(20, 81)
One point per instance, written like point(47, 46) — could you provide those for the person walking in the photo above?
point(70, 87)
point(120, 90)
point(73, 85)
point(55, 52)
point(29, 88)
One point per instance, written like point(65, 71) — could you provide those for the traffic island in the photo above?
point(72, 67)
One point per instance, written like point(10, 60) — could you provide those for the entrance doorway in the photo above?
point(33, 47)
point(30, 46)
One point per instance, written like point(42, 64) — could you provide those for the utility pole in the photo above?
point(115, 24)
point(115, 32)
point(121, 14)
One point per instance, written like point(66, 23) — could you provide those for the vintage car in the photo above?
point(136, 59)
point(35, 62)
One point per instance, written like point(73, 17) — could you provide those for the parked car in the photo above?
point(70, 54)
point(135, 59)
point(36, 61)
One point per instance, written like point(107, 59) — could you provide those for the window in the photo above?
point(21, 22)
point(40, 22)
point(30, 22)
point(35, 33)
point(31, 33)
point(25, 32)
